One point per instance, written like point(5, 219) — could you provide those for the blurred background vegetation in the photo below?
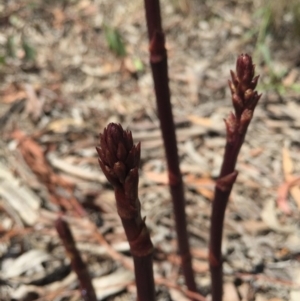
point(273, 24)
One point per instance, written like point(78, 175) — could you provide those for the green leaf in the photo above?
point(16, 21)
point(295, 87)
point(11, 47)
point(280, 89)
point(29, 51)
point(2, 59)
point(138, 64)
point(266, 54)
point(114, 41)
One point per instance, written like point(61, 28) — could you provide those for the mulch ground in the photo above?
point(61, 85)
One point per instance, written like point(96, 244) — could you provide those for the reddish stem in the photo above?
point(244, 100)
point(119, 160)
point(78, 266)
point(159, 66)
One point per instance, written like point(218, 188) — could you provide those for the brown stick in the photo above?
point(159, 66)
point(244, 100)
point(78, 266)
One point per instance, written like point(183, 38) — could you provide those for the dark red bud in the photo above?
point(248, 95)
point(244, 67)
point(103, 143)
point(245, 120)
point(137, 156)
point(116, 132)
point(121, 152)
point(128, 141)
point(101, 154)
point(235, 79)
point(131, 184)
point(130, 159)
point(237, 103)
point(104, 134)
point(230, 123)
point(109, 157)
point(117, 153)
point(254, 100)
point(110, 176)
point(232, 87)
point(254, 82)
point(112, 146)
point(120, 171)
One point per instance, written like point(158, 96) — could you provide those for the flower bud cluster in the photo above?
point(118, 157)
point(242, 85)
point(244, 97)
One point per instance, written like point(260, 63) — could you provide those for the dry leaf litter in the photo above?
point(61, 85)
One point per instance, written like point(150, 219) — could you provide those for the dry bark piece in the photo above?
point(22, 199)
